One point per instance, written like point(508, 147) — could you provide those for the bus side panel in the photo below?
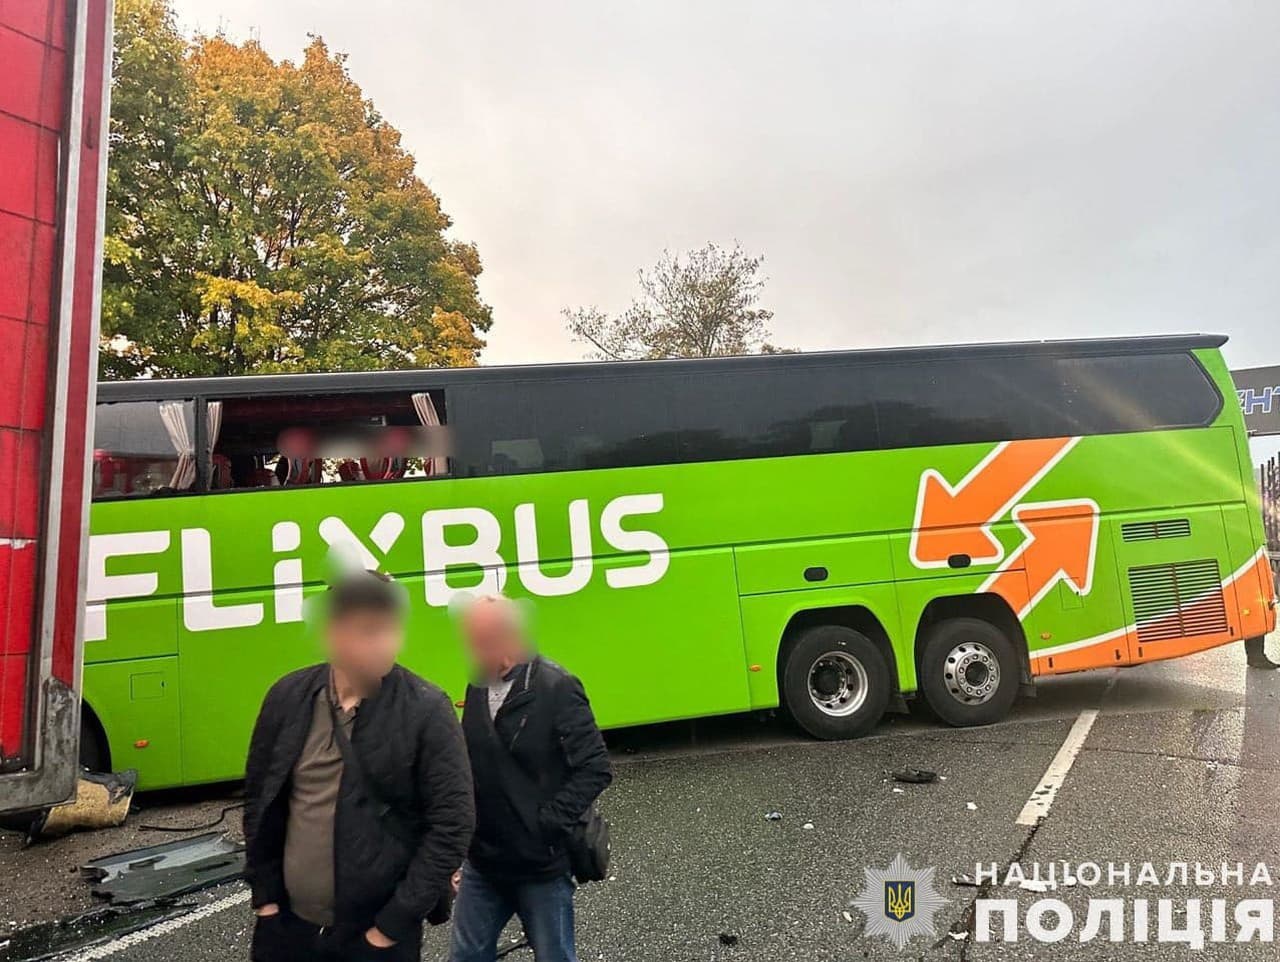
point(913, 597)
point(802, 565)
point(138, 705)
point(655, 653)
point(765, 619)
point(135, 629)
point(1064, 630)
point(1254, 581)
point(664, 651)
point(1179, 595)
point(225, 674)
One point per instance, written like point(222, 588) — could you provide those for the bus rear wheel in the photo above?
point(835, 682)
point(969, 672)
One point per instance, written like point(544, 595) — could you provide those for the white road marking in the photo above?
point(163, 928)
point(1041, 799)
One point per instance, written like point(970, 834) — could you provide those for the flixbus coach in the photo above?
point(832, 532)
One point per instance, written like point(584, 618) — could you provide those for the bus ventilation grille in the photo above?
point(1153, 530)
point(1178, 600)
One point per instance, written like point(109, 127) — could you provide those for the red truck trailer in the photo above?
point(53, 149)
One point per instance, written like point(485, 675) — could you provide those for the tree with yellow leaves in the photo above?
point(262, 216)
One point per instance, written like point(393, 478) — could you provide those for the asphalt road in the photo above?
point(1181, 764)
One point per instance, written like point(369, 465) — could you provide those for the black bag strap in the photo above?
point(352, 761)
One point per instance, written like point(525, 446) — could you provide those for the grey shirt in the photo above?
point(313, 799)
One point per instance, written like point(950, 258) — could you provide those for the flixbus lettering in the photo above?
point(481, 548)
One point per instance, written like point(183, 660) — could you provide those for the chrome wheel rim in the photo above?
point(838, 684)
point(971, 673)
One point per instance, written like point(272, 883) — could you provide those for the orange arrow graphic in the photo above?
point(955, 520)
point(1061, 543)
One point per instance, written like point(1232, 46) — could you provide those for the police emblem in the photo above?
point(899, 902)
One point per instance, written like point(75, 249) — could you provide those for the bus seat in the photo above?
point(382, 469)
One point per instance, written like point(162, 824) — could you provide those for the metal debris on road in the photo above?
point(967, 881)
point(914, 776)
point(49, 939)
point(970, 806)
point(773, 816)
point(101, 801)
point(165, 871)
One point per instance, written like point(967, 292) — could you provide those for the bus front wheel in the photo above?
point(94, 754)
point(969, 672)
point(835, 682)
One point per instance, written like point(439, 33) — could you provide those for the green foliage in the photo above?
point(262, 216)
point(702, 304)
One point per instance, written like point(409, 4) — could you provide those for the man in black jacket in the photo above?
point(539, 762)
point(358, 804)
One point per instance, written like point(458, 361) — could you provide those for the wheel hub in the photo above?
point(838, 684)
point(972, 673)
point(826, 681)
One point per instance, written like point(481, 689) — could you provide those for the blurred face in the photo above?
point(365, 643)
point(493, 637)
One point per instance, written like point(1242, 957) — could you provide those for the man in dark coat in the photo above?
point(358, 805)
point(539, 762)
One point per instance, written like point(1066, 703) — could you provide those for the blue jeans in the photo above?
point(483, 908)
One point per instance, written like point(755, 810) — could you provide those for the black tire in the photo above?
point(94, 754)
point(829, 656)
point(985, 688)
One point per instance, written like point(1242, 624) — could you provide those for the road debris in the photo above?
point(49, 939)
point(914, 776)
point(965, 881)
point(165, 871)
point(773, 816)
point(729, 939)
point(1033, 885)
point(101, 801)
point(970, 806)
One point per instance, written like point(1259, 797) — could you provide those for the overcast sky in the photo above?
point(912, 172)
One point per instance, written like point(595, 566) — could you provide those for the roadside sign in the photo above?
point(1258, 390)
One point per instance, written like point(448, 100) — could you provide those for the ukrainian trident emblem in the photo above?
point(899, 900)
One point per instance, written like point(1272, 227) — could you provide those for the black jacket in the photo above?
point(388, 871)
point(545, 729)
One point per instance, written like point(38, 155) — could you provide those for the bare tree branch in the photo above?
point(702, 304)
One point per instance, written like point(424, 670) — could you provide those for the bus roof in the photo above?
point(340, 382)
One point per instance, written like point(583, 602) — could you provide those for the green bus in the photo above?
point(836, 533)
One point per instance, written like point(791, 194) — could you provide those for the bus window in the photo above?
point(294, 441)
point(773, 414)
point(564, 425)
point(143, 448)
point(964, 401)
point(1111, 395)
point(666, 419)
